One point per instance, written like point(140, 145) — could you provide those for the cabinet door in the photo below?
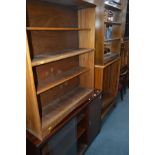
point(63, 142)
point(94, 118)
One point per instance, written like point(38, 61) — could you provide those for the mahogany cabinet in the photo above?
point(94, 118)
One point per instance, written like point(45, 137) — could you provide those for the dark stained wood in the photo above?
point(107, 99)
point(56, 29)
point(112, 23)
point(80, 132)
point(48, 42)
point(61, 39)
point(59, 79)
point(113, 39)
point(56, 92)
point(57, 110)
point(44, 14)
point(107, 110)
point(94, 118)
point(53, 69)
point(59, 55)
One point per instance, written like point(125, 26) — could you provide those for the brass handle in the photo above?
point(49, 129)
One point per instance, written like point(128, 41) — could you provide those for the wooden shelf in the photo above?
point(57, 110)
point(105, 112)
point(114, 39)
point(56, 29)
point(112, 23)
point(107, 64)
point(55, 56)
point(110, 57)
point(80, 132)
point(112, 7)
point(107, 99)
point(59, 79)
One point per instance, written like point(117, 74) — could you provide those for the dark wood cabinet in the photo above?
point(94, 117)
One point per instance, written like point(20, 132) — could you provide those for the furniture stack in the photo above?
point(60, 77)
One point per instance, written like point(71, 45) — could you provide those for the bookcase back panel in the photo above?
point(56, 92)
point(116, 31)
point(55, 69)
point(43, 42)
point(115, 46)
point(44, 14)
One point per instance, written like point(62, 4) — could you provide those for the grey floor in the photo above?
point(113, 138)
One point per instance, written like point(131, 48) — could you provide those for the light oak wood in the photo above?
point(33, 122)
point(111, 62)
point(55, 56)
point(56, 29)
point(86, 18)
point(53, 82)
point(98, 78)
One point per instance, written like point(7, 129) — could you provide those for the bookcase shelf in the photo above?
point(55, 56)
point(57, 110)
point(61, 78)
point(113, 39)
point(112, 7)
point(110, 57)
point(112, 23)
point(56, 29)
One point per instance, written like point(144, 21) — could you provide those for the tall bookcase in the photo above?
point(107, 50)
point(59, 59)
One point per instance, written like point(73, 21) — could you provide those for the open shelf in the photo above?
point(55, 56)
point(112, 7)
point(56, 29)
point(57, 110)
point(59, 79)
point(112, 23)
point(106, 111)
point(80, 131)
point(113, 39)
point(111, 56)
point(107, 99)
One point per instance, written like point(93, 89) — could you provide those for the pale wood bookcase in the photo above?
point(59, 61)
point(107, 66)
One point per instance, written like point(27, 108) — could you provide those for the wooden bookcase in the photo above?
point(59, 59)
point(107, 65)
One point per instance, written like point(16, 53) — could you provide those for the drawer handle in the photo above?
point(50, 129)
